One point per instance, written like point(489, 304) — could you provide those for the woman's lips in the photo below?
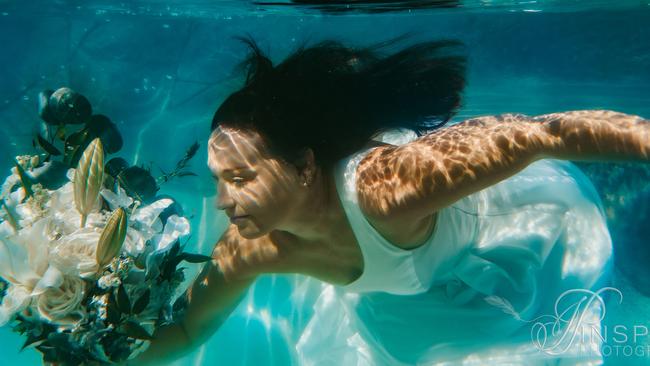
point(236, 219)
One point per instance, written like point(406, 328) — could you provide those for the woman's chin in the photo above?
point(250, 231)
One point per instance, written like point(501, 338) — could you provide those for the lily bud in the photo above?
point(112, 238)
point(88, 178)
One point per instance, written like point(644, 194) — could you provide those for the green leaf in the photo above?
point(77, 139)
point(33, 341)
point(180, 165)
point(74, 145)
point(60, 132)
point(181, 303)
point(142, 302)
point(195, 258)
point(20, 328)
point(192, 150)
point(59, 340)
point(175, 249)
point(113, 315)
point(135, 330)
point(123, 302)
point(45, 145)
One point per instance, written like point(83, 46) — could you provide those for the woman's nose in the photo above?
point(224, 200)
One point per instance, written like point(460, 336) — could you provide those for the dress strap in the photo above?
point(386, 267)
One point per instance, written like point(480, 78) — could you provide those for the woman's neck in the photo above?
point(318, 213)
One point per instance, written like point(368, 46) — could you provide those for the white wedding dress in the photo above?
point(482, 289)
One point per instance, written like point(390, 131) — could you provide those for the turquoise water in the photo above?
point(159, 70)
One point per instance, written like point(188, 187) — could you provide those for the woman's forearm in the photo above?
point(210, 300)
point(171, 342)
point(214, 294)
point(596, 135)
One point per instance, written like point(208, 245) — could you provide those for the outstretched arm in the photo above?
point(415, 180)
point(212, 297)
point(596, 135)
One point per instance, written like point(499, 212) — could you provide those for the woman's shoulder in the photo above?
point(427, 173)
point(386, 176)
point(372, 185)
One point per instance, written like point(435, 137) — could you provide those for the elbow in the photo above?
point(550, 140)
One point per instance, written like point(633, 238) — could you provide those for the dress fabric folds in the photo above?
point(483, 289)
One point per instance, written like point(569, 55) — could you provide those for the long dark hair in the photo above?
point(333, 98)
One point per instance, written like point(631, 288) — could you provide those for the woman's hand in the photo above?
point(211, 299)
point(415, 180)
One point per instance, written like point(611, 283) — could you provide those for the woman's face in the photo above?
point(259, 192)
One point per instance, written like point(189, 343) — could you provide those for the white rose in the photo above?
point(75, 253)
point(62, 304)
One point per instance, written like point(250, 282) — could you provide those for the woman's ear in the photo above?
point(307, 167)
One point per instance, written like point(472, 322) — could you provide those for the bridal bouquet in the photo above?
point(89, 256)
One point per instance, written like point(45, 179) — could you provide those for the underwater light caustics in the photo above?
point(88, 178)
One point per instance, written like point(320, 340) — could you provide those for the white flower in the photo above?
point(75, 253)
point(63, 211)
point(24, 263)
point(15, 300)
point(29, 211)
point(46, 261)
point(62, 304)
point(144, 221)
point(147, 216)
point(49, 261)
point(175, 227)
point(134, 242)
point(108, 281)
point(116, 200)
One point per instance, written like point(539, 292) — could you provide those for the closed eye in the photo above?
point(232, 179)
point(234, 176)
point(239, 181)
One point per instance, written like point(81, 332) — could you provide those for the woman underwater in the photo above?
point(425, 239)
